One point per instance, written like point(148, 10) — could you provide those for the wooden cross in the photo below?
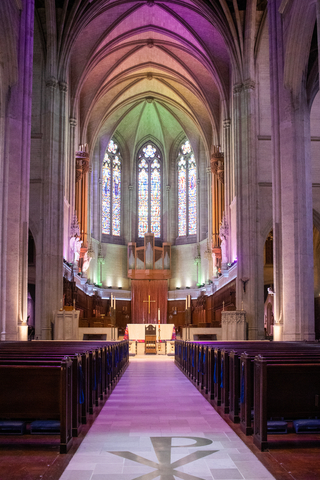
point(148, 301)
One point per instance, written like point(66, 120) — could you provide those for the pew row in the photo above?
point(96, 367)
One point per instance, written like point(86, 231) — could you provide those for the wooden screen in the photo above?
point(147, 297)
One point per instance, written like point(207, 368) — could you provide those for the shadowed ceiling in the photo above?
point(148, 67)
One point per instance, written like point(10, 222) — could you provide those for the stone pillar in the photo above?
point(209, 188)
point(318, 32)
point(249, 284)
point(130, 212)
point(292, 197)
point(50, 255)
point(15, 183)
point(198, 211)
point(168, 187)
point(228, 179)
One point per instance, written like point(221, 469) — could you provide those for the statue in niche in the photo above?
point(223, 234)
point(75, 245)
point(86, 262)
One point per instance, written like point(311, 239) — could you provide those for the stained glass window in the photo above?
point(149, 191)
point(111, 190)
point(187, 191)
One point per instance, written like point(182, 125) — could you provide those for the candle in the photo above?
point(186, 303)
point(114, 303)
point(159, 314)
point(189, 300)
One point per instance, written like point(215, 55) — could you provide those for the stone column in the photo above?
point(209, 187)
point(15, 184)
point(292, 197)
point(318, 32)
point(249, 283)
point(50, 257)
point(168, 187)
point(130, 212)
point(228, 179)
point(198, 211)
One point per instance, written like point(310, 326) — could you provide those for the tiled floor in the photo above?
point(156, 425)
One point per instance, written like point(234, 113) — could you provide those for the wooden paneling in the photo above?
point(142, 311)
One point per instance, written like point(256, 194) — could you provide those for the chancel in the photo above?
point(159, 182)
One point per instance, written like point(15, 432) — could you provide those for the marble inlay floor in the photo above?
point(156, 425)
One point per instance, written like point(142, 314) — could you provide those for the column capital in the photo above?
point(73, 122)
point(227, 123)
point(208, 170)
point(51, 82)
point(237, 88)
point(63, 86)
point(168, 188)
point(130, 188)
point(249, 84)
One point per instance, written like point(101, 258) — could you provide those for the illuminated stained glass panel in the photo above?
point(106, 195)
point(143, 197)
point(192, 194)
point(149, 191)
point(182, 197)
point(186, 148)
point(187, 192)
point(112, 147)
point(111, 191)
point(116, 196)
point(155, 198)
point(149, 151)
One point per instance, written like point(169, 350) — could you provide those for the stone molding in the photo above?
point(51, 82)
point(247, 85)
point(63, 86)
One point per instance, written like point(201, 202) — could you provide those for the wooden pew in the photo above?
point(283, 388)
point(39, 392)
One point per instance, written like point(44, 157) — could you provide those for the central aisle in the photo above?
point(156, 424)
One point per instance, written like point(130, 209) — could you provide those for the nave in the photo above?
point(153, 398)
point(156, 424)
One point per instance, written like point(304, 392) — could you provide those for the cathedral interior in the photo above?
point(195, 121)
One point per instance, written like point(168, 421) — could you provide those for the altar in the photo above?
point(164, 337)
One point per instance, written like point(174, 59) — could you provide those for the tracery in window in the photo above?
point(149, 191)
point(187, 191)
point(111, 190)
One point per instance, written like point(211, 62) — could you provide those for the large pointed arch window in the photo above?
point(187, 191)
point(149, 191)
point(111, 190)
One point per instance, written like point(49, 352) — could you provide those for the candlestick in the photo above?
point(61, 304)
point(223, 306)
point(74, 304)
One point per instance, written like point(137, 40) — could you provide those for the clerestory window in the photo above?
point(149, 190)
point(187, 191)
point(111, 190)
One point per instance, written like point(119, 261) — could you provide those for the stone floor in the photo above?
point(156, 424)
